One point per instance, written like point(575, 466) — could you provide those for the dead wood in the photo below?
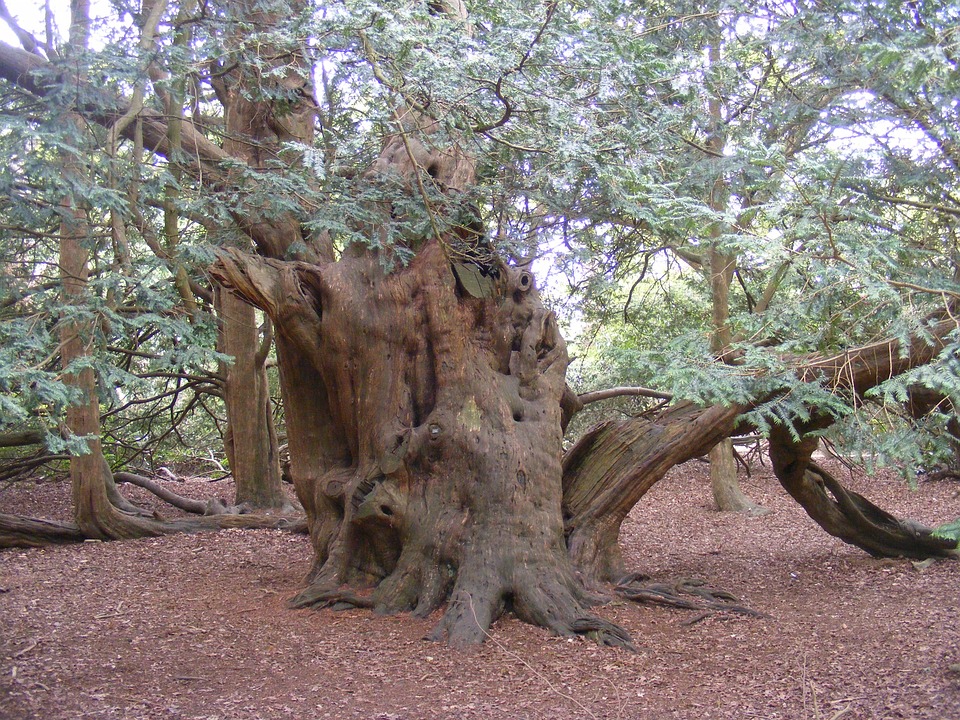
point(25, 532)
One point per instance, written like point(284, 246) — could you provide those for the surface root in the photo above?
point(603, 632)
point(317, 598)
point(211, 506)
point(685, 593)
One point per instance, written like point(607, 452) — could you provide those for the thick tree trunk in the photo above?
point(251, 440)
point(442, 444)
point(424, 405)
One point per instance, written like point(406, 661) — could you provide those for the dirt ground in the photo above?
point(197, 627)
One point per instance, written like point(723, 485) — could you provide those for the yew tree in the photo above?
point(378, 178)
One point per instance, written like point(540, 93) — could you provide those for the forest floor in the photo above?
point(196, 626)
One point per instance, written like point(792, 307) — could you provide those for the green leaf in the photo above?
point(949, 531)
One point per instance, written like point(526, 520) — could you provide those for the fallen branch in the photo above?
point(19, 439)
point(25, 532)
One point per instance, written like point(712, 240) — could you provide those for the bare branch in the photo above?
point(28, 41)
point(598, 395)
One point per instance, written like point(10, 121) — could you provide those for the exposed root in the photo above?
point(467, 622)
point(557, 604)
point(316, 598)
point(467, 619)
point(603, 632)
point(685, 593)
point(212, 506)
point(941, 474)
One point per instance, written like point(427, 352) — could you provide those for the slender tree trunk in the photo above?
point(95, 496)
point(257, 132)
point(723, 467)
point(90, 474)
point(250, 442)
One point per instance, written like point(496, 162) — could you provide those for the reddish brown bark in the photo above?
point(250, 441)
point(846, 514)
point(424, 405)
point(615, 464)
point(442, 443)
point(100, 510)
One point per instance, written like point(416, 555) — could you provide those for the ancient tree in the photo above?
point(424, 381)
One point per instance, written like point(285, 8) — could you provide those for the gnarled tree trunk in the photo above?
point(844, 513)
point(442, 441)
point(614, 464)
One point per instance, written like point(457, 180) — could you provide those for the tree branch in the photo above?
point(20, 439)
point(39, 77)
point(598, 395)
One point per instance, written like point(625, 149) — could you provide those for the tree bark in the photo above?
point(443, 454)
point(90, 474)
point(724, 482)
point(723, 467)
point(97, 504)
point(23, 532)
point(425, 406)
point(614, 464)
point(722, 264)
point(250, 441)
point(844, 513)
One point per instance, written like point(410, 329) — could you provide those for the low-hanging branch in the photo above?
point(199, 156)
point(22, 438)
point(615, 463)
point(211, 506)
